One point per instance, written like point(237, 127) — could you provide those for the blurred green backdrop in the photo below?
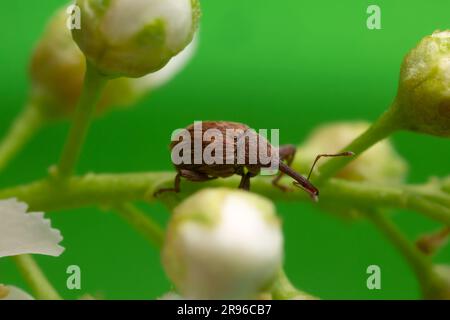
point(272, 64)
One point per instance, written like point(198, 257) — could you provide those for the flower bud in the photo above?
point(223, 244)
point(443, 292)
point(57, 71)
point(380, 163)
point(13, 293)
point(155, 80)
point(424, 89)
point(132, 38)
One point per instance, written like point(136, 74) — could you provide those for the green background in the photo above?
point(286, 64)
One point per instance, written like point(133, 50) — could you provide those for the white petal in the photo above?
point(16, 294)
point(26, 233)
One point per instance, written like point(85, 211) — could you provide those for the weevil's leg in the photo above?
point(286, 153)
point(176, 187)
point(188, 175)
point(195, 176)
point(245, 181)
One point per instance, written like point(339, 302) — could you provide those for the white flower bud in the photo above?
point(57, 71)
point(223, 244)
point(424, 89)
point(152, 81)
point(380, 163)
point(134, 37)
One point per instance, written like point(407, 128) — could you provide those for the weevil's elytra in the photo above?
point(201, 171)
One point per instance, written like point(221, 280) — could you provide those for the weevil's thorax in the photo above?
point(226, 148)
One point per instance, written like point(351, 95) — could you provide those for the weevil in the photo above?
point(204, 171)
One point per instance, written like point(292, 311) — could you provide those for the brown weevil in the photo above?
point(233, 137)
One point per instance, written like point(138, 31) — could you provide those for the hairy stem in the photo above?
point(283, 289)
point(110, 189)
point(21, 131)
point(92, 88)
point(431, 284)
point(35, 278)
point(420, 264)
point(381, 129)
point(140, 221)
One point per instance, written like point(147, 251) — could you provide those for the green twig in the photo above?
point(430, 283)
point(23, 128)
point(368, 195)
point(283, 289)
point(92, 88)
point(142, 223)
point(110, 189)
point(35, 278)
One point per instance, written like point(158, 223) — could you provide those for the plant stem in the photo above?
point(283, 289)
point(381, 129)
point(430, 284)
point(363, 194)
point(110, 189)
point(142, 223)
point(23, 128)
point(33, 275)
point(419, 263)
point(92, 88)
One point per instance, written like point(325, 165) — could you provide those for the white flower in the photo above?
point(26, 233)
point(223, 244)
point(134, 37)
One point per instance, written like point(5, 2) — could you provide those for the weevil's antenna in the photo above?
point(342, 154)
